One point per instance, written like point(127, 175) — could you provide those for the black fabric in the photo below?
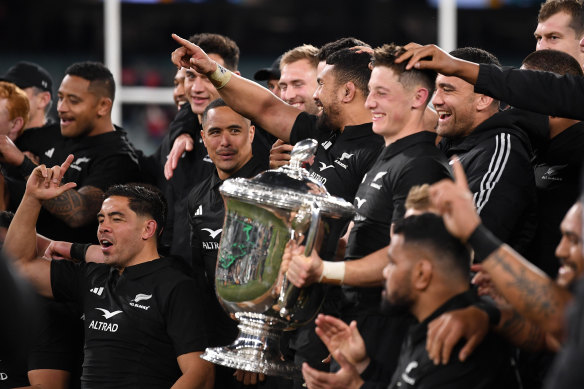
point(206, 212)
point(412, 160)
point(557, 177)
point(496, 157)
point(543, 92)
point(342, 158)
point(136, 323)
point(489, 366)
point(380, 200)
point(100, 161)
point(59, 343)
point(483, 242)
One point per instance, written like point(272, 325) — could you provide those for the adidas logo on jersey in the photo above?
point(199, 210)
point(49, 153)
point(97, 291)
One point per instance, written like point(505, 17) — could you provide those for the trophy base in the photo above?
point(256, 349)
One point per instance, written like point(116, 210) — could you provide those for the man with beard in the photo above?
point(347, 145)
point(427, 275)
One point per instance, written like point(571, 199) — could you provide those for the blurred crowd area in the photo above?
point(60, 32)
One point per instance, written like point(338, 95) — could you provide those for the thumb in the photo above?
point(189, 146)
point(343, 362)
point(459, 176)
point(65, 187)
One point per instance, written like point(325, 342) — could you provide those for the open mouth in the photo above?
point(105, 243)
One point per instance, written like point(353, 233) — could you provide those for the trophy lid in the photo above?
point(288, 187)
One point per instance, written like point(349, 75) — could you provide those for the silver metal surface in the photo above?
point(262, 215)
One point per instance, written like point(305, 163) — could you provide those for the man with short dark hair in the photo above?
point(494, 151)
point(143, 323)
point(228, 139)
point(427, 275)
point(561, 27)
point(557, 166)
point(104, 154)
point(397, 101)
point(185, 135)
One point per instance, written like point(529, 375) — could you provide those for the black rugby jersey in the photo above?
point(136, 323)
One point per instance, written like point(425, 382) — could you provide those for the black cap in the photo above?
point(273, 72)
point(27, 74)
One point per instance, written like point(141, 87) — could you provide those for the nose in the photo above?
point(369, 102)
point(198, 85)
point(317, 92)
point(437, 99)
point(562, 251)
point(289, 94)
point(541, 44)
point(62, 106)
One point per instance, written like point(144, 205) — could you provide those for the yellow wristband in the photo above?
point(220, 77)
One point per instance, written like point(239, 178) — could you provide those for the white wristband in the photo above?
point(220, 77)
point(333, 272)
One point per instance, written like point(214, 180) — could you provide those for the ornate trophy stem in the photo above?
point(257, 347)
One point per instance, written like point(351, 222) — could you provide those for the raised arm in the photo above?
point(20, 244)
point(530, 291)
point(246, 97)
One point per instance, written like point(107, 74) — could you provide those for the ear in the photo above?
point(422, 274)
point(237, 72)
point(104, 106)
point(349, 90)
point(45, 98)
point(203, 137)
point(251, 133)
point(420, 98)
point(483, 102)
point(149, 229)
point(17, 124)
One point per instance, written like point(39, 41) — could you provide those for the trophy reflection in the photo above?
point(261, 215)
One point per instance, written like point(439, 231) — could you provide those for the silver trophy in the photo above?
point(261, 215)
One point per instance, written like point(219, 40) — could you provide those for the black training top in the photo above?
point(496, 157)
point(557, 178)
point(206, 215)
point(100, 161)
point(342, 158)
point(380, 200)
point(136, 323)
point(489, 366)
point(533, 90)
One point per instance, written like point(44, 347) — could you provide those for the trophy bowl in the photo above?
point(262, 215)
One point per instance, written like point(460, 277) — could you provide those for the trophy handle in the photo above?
point(290, 293)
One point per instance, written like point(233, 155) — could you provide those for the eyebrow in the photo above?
point(114, 213)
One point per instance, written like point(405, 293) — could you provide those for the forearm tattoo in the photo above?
point(76, 208)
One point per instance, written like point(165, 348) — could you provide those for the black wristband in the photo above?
point(78, 251)
point(483, 242)
point(488, 306)
point(26, 167)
